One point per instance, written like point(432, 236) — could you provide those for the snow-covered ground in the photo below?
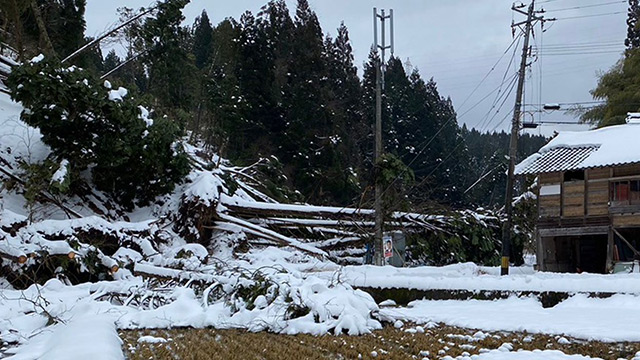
point(283, 290)
point(469, 276)
point(613, 319)
point(83, 310)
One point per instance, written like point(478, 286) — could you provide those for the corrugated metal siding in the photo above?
point(559, 159)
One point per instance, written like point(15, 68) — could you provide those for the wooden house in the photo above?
point(588, 199)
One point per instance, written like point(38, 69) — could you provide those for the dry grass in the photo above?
point(389, 343)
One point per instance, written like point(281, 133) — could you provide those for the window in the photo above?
point(574, 175)
point(625, 192)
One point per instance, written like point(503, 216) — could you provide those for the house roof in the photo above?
point(575, 150)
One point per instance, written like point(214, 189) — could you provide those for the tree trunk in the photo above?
point(14, 14)
point(44, 35)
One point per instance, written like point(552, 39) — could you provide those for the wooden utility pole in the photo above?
point(515, 128)
point(380, 68)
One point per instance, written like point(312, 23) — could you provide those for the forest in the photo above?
point(274, 87)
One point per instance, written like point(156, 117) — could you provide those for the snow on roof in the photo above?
point(573, 150)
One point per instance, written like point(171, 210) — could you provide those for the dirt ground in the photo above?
point(389, 343)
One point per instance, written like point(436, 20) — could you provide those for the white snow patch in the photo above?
point(37, 59)
point(87, 336)
point(388, 302)
point(117, 95)
point(144, 115)
point(60, 174)
point(151, 339)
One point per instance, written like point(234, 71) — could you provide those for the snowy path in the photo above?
point(613, 319)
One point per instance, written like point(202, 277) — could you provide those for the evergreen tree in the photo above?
point(172, 76)
point(53, 27)
point(67, 25)
point(225, 104)
point(633, 31)
point(202, 40)
point(279, 33)
point(131, 156)
point(349, 129)
point(264, 121)
point(111, 61)
point(307, 136)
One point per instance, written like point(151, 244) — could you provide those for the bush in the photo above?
point(131, 157)
point(464, 236)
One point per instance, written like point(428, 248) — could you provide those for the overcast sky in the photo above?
point(457, 42)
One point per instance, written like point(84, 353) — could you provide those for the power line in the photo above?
point(516, 40)
point(500, 93)
point(592, 15)
point(595, 52)
point(588, 43)
point(587, 6)
point(429, 141)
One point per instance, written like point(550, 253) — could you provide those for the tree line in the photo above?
point(273, 85)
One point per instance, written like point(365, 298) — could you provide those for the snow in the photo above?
point(76, 340)
point(60, 174)
point(61, 321)
point(37, 59)
point(617, 145)
point(205, 187)
point(468, 276)
point(117, 95)
point(500, 354)
point(18, 141)
point(144, 115)
point(151, 339)
point(579, 316)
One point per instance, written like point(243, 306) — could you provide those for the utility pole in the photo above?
point(380, 69)
point(515, 128)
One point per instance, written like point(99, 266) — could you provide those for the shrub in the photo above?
point(131, 156)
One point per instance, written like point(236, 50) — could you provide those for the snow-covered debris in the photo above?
point(227, 296)
point(388, 302)
point(205, 187)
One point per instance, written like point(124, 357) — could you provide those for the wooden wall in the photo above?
point(597, 197)
point(549, 205)
point(573, 198)
point(581, 198)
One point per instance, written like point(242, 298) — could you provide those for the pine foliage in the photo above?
point(130, 156)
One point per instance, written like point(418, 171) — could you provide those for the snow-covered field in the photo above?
point(469, 276)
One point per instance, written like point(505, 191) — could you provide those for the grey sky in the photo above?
point(457, 42)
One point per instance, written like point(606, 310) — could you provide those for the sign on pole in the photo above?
point(388, 246)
